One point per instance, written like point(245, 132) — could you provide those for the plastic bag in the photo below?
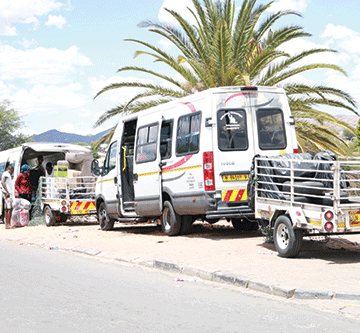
point(20, 218)
point(22, 204)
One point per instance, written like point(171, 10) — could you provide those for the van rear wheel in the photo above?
point(106, 223)
point(170, 220)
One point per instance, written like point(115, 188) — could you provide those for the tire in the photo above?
point(170, 220)
point(244, 225)
point(186, 223)
point(106, 223)
point(287, 240)
point(49, 216)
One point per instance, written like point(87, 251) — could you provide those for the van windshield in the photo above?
point(232, 131)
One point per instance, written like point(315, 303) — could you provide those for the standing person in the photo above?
point(49, 173)
point(23, 184)
point(49, 170)
point(35, 175)
point(8, 194)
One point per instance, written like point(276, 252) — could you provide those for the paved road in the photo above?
point(52, 291)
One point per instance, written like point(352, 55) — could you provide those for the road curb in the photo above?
point(313, 294)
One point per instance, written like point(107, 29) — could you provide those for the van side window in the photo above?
point(188, 134)
point(271, 129)
point(146, 143)
point(232, 130)
point(166, 139)
point(110, 160)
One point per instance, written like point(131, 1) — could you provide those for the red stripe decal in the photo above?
point(177, 164)
point(190, 105)
point(78, 204)
point(239, 196)
point(227, 196)
point(239, 94)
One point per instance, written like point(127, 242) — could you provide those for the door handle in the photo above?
point(136, 177)
point(161, 164)
point(115, 180)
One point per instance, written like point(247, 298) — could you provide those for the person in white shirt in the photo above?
point(8, 194)
point(49, 173)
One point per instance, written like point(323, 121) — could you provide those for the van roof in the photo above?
point(54, 147)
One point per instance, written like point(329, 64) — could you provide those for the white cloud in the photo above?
point(57, 21)
point(178, 6)
point(166, 44)
point(24, 11)
point(27, 43)
point(342, 37)
point(295, 5)
point(46, 65)
point(49, 99)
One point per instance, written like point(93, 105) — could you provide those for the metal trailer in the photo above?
point(306, 198)
point(62, 197)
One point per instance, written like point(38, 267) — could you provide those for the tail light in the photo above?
point(208, 166)
point(329, 226)
point(296, 151)
point(329, 215)
point(63, 206)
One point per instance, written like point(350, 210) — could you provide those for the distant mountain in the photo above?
point(352, 120)
point(61, 137)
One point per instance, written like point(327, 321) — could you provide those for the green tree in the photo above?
point(10, 121)
point(225, 48)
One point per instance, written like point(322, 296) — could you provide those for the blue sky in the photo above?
point(55, 55)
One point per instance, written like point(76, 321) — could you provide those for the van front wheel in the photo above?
point(170, 220)
point(106, 223)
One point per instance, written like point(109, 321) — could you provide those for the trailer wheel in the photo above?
point(170, 220)
point(288, 241)
point(49, 216)
point(106, 223)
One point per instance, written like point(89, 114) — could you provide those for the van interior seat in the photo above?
point(223, 140)
point(238, 140)
point(264, 137)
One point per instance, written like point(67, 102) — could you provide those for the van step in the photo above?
point(129, 206)
point(238, 212)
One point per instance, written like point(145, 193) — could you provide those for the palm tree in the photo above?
point(223, 48)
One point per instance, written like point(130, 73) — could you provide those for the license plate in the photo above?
point(79, 212)
point(235, 178)
point(354, 218)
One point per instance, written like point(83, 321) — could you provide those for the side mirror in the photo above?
point(95, 168)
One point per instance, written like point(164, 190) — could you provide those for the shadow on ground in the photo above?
point(335, 251)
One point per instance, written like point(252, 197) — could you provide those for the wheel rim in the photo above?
point(102, 217)
point(166, 219)
point(47, 215)
point(282, 236)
